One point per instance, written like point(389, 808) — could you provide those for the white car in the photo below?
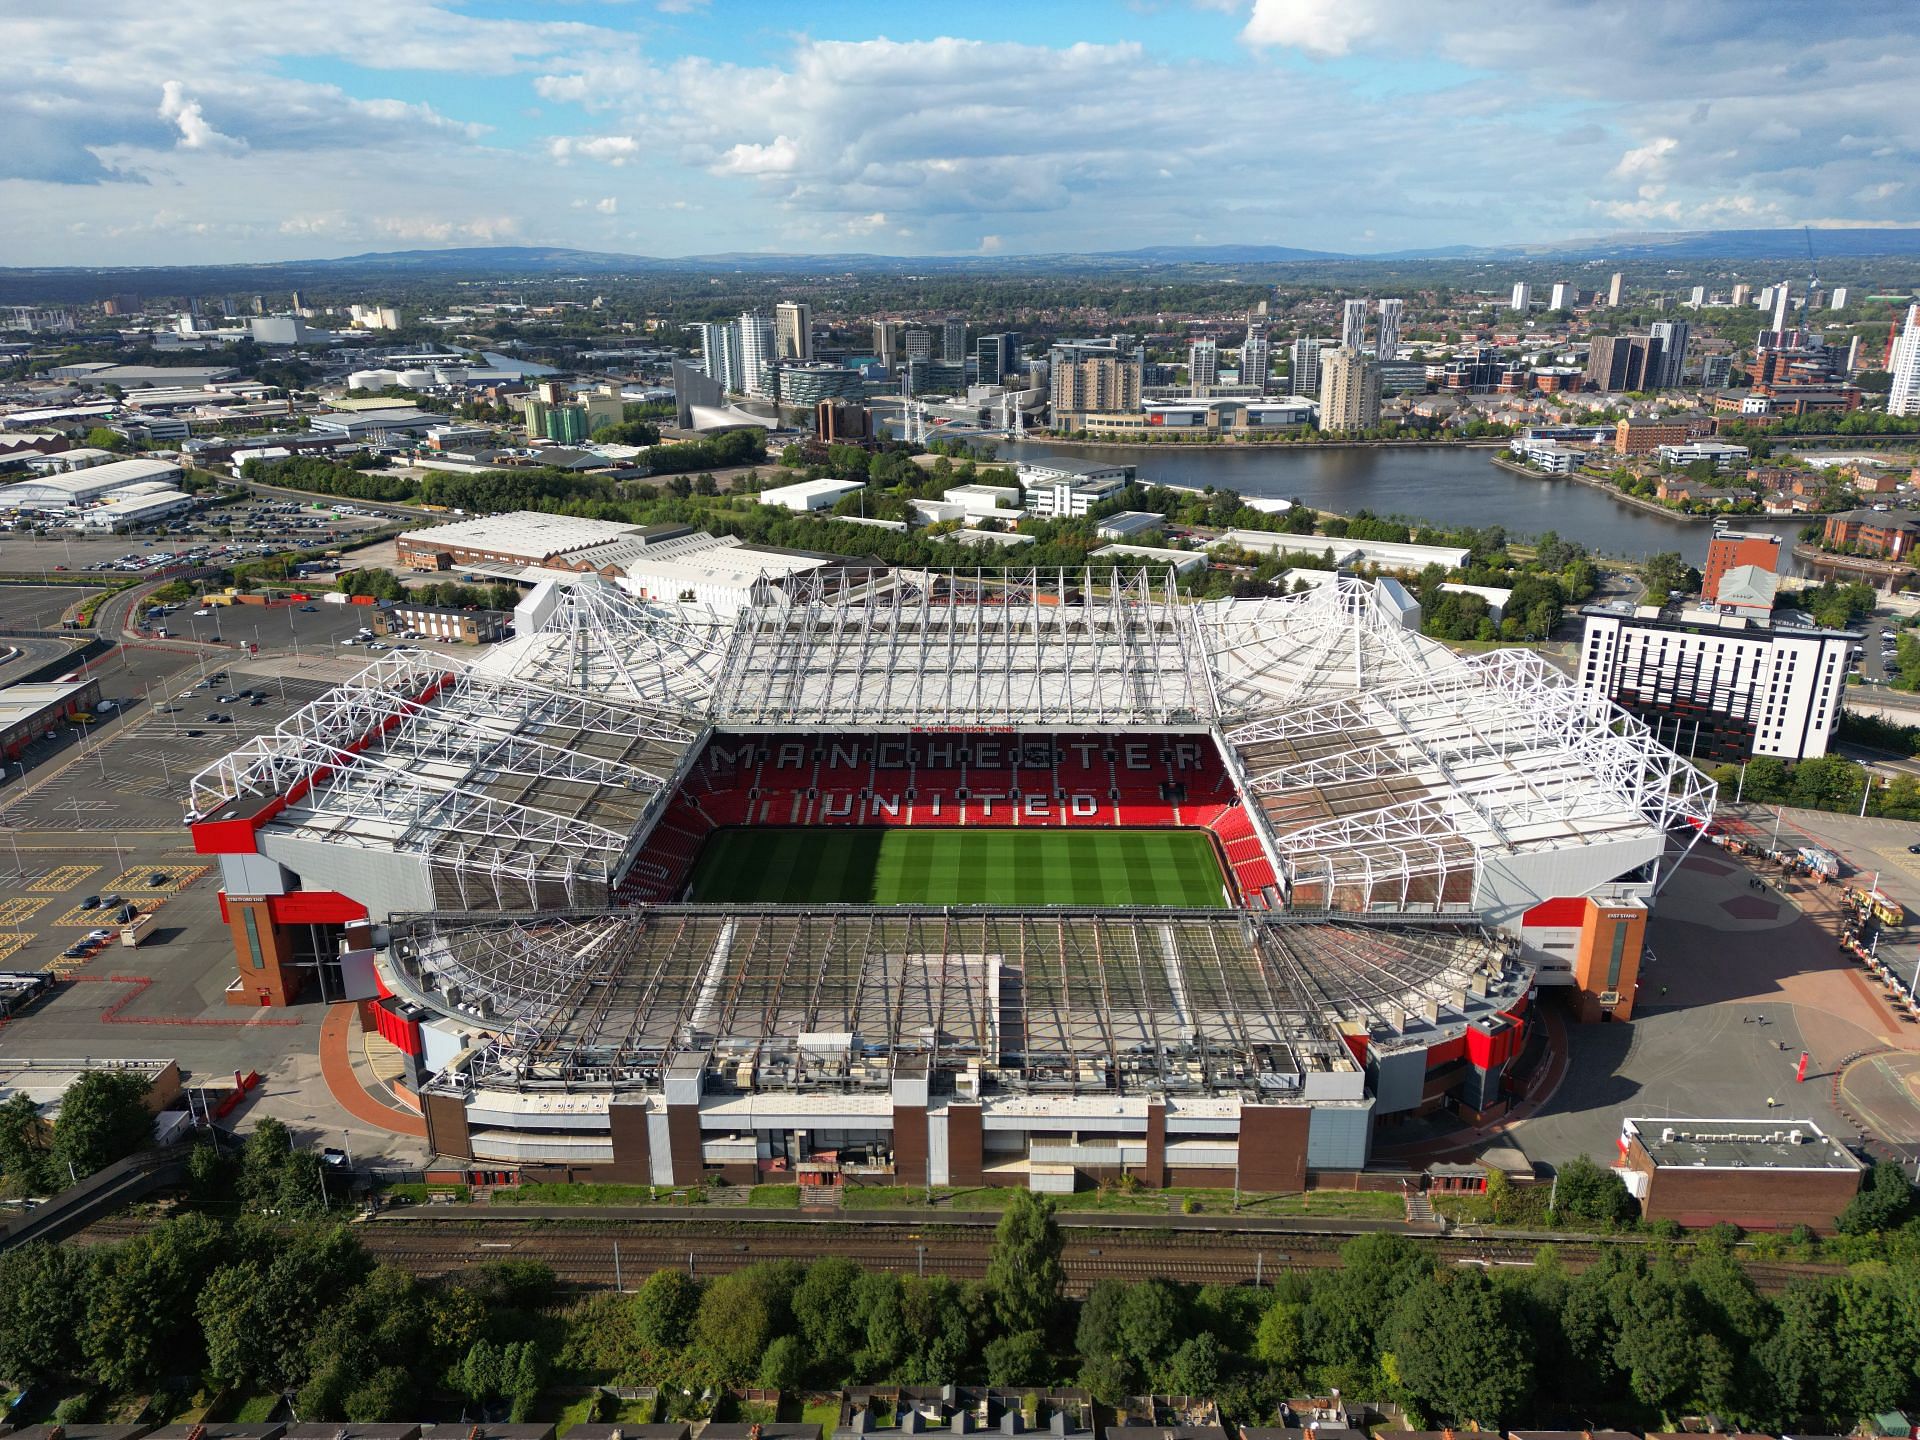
point(202, 612)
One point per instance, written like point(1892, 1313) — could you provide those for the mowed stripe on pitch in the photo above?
point(827, 865)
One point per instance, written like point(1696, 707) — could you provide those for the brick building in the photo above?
point(1890, 534)
point(1643, 437)
point(1760, 1174)
point(1729, 549)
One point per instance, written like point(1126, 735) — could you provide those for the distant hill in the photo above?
point(42, 284)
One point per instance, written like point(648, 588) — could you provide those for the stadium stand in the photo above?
point(998, 778)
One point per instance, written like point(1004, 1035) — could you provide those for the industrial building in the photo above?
point(1758, 1174)
point(436, 622)
point(75, 488)
point(494, 857)
point(28, 711)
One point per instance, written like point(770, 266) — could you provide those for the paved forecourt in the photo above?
point(1093, 868)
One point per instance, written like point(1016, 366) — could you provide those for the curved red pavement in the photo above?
point(336, 1068)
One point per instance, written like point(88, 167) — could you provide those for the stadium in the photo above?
point(948, 878)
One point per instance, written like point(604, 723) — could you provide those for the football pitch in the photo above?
point(1091, 868)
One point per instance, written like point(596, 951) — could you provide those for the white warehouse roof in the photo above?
point(79, 486)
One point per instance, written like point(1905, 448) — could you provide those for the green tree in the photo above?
point(1017, 1359)
point(389, 1391)
point(1460, 1352)
point(1106, 1378)
point(825, 1311)
point(740, 1314)
point(140, 1323)
point(1347, 1319)
point(103, 1118)
point(101, 438)
point(1883, 1204)
point(664, 1309)
point(784, 1364)
point(44, 1295)
point(1280, 1343)
point(25, 1153)
point(1197, 1366)
point(1150, 1326)
point(1655, 1341)
point(1665, 573)
point(1097, 1335)
point(1024, 1273)
point(1588, 1194)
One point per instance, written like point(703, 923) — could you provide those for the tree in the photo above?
point(785, 1363)
point(1024, 1274)
point(1196, 1366)
point(24, 1148)
point(1106, 1378)
point(390, 1391)
point(266, 1149)
point(1098, 1333)
point(1347, 1319)
point(140, 1323)
point(1585, 1193)
point(103, 1118)
point(1665, 573)
point(740, 1314)
point(664, 1309)
point(101, 438)
point(1150, 1326)
point(1655, 1341)
point(824, 1310)
point(1882, 1204)
point(1459, 1350)
point(1280, 1342)
point(43, 1302)
point(1017, 1359)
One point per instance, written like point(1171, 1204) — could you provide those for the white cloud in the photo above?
point(780, 157)
point(609, 149)
point(195, 132)
point(1647, 159)
point(1680, 115)
point(1320, 27)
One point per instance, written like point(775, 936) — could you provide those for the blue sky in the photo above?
point(209, 131)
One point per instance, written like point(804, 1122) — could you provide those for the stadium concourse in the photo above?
point(947, 878)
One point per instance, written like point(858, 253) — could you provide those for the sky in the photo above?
point(218, 131)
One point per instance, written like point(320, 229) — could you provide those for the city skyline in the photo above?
point(210, 135)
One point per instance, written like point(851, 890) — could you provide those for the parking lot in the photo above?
point(226, 531)
point(1740, 981)
point(301, 631)
point(100, 814)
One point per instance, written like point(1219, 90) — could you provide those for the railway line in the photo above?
point(593, 1254)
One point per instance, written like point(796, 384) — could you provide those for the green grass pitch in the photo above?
point(1094, 869)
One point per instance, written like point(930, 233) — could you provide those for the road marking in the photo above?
point(62, 877)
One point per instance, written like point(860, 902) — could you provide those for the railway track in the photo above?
point(601, 1255)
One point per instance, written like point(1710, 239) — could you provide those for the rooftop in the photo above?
point(1740, 1145)
point(1164, 1001)
point(532, 534)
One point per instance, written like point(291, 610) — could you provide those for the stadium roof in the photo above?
point(513, 792)
point(1390, 772)
point(1161, 1000)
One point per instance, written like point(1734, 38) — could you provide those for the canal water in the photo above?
point(1446, 485)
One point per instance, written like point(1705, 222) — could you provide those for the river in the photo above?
point(1446, 485)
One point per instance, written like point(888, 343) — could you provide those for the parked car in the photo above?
point(92, 902)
